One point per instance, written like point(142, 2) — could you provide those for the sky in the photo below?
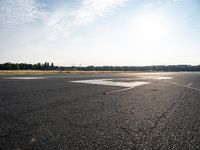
point(100, 32)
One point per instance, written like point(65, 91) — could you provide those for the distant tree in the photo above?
point(46, 66)
point(39, 66)
point(7, 66)
point(22, 66)
point(52, 66)
point(17, 67)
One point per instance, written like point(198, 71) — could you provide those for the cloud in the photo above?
point(58, 22)
point(61, 23)
point(90, 9)
point(19, 12)
point(153, 3)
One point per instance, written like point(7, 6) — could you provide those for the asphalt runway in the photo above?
point(106, 111)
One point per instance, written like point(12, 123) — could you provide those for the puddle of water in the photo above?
point(112, 83)
point(156, 77)
point(127, 79)
point(26, 78)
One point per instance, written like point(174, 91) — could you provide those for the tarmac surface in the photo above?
point(106, 111)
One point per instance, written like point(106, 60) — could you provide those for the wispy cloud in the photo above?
point(152, 3)
point(90, 9)
point(18, 12)
point(62, 23)
point(58, 22)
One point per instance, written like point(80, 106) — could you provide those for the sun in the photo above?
point(152, 26)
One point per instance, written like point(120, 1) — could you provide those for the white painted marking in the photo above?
point(181, 85)
point(121, 90)
point(112, 83)
point(25, 78)
point(116, 82)
point(190, 84)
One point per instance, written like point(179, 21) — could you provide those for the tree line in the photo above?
point(25, 66)
point(50, 66)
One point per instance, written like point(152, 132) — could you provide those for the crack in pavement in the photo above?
point(150, 130)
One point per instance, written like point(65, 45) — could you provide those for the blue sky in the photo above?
point(100, 32)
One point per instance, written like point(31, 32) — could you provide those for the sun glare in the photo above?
point(152, 26)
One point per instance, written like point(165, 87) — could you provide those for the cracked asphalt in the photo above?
point(53, 113)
